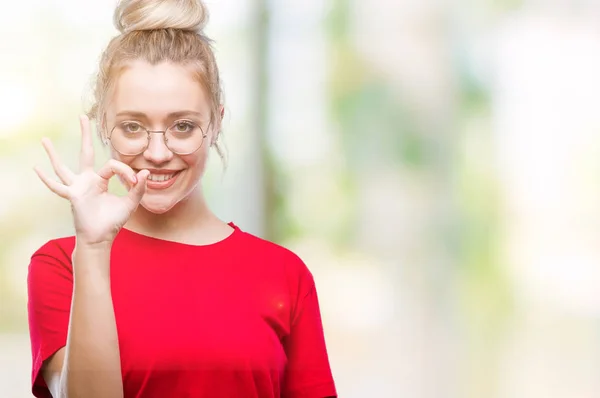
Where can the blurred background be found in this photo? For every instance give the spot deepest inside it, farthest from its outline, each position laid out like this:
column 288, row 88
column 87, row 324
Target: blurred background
column 435, row 163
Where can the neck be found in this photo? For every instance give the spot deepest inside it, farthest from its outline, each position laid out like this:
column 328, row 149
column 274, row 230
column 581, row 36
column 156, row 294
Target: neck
column 192, row 213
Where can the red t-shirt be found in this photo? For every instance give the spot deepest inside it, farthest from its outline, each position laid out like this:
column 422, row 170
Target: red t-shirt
column 238, row 318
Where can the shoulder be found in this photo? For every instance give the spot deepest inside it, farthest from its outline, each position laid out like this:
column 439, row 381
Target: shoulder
column 269, row 250
column 55, row 252
column 57, row 247
column 275, row 256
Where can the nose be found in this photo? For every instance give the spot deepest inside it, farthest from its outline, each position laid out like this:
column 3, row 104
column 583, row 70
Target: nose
column 157, row 151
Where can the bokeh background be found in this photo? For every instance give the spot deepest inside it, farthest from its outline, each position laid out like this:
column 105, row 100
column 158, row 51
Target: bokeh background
column 435, row 163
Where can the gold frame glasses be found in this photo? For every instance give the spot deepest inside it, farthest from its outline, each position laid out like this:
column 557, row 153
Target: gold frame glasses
column 165, row 134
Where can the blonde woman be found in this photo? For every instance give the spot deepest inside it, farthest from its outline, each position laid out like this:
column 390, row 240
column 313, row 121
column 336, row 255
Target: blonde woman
column 154, row 296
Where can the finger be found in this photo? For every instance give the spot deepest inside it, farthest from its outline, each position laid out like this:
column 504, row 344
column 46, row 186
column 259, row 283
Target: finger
column 114, row 167
column 137, row 191
column 55, row 186
column 86, row 156
column 62, row 171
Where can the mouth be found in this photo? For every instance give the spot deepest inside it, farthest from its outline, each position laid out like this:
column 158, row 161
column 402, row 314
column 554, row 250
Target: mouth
column 161, row 179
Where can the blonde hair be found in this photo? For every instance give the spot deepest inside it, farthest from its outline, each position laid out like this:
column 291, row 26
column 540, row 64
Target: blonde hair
column 156, row 31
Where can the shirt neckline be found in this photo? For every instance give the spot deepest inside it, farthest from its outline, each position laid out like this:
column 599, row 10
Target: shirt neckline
column 232, row 236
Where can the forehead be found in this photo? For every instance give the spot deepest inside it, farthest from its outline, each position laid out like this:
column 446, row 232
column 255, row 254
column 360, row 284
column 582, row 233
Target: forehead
column 157, row 90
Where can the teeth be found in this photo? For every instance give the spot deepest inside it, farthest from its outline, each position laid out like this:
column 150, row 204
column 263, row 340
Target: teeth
column 160, row 177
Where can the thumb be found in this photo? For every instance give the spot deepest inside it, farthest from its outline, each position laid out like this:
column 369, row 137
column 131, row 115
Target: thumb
column 139, row 188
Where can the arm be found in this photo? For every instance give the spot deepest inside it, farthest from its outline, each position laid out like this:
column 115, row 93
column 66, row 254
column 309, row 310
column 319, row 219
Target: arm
column 308, row 374
column 89, row 366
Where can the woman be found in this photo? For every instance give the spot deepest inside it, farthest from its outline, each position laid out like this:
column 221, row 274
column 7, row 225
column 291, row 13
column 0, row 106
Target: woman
column 155, row 296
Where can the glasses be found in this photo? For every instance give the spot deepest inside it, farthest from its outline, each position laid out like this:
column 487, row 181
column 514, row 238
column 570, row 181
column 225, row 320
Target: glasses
column 131, row 138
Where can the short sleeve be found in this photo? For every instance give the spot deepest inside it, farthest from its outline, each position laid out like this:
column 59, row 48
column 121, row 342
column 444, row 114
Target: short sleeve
column 308, row 373
column 49, row 290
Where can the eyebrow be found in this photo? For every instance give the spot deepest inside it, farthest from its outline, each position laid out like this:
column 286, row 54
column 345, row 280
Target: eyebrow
column 170, row 115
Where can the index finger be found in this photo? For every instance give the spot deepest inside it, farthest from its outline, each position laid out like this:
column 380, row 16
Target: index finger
column 86, row 156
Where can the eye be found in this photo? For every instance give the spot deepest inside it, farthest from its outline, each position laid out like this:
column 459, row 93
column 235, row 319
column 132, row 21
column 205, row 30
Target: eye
column 132, row 127
column 183, row 126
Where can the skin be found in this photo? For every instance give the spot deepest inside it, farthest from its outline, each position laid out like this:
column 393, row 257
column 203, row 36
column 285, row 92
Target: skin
column 89, row 365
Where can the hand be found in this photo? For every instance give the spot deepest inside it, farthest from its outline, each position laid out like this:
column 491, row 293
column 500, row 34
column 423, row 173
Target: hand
column 98, row 215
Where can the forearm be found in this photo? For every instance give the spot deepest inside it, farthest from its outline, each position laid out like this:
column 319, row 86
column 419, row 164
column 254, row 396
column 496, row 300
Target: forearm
column 92, row 366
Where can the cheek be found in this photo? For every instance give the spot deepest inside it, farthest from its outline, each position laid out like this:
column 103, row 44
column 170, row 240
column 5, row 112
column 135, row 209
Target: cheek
column 118, row 157
column 197, row 162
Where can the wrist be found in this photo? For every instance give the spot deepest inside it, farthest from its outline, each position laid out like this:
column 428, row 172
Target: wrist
column 91, row 252
column 82, row 244
column 91, row 260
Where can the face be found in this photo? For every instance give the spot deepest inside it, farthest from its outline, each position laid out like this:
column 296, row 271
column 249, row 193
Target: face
column 157, row 97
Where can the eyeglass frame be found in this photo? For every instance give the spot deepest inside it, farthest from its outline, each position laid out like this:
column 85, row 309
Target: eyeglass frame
column 163, row 132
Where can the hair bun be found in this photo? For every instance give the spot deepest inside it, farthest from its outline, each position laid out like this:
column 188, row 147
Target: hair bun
column 132, row 15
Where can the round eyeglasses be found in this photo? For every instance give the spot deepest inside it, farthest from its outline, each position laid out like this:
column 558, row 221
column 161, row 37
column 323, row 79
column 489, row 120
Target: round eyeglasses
column 132, row 138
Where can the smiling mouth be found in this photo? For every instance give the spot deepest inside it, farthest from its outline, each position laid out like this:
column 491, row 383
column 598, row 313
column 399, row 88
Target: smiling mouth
column 162, row 177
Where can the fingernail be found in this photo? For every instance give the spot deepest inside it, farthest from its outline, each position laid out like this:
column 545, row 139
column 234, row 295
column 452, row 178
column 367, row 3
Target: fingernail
column 134, row 179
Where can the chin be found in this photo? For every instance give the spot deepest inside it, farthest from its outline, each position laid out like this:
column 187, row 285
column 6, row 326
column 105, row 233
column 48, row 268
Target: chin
column 158, row 205
column 162, row 201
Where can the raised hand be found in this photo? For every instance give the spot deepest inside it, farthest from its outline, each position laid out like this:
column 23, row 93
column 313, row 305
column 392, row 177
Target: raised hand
column 98, row 215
